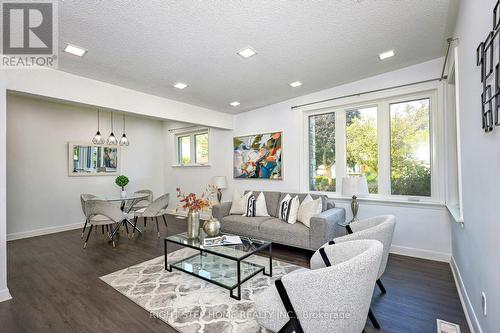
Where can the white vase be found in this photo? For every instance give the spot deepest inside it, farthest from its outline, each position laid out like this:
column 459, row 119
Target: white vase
column 123, row 194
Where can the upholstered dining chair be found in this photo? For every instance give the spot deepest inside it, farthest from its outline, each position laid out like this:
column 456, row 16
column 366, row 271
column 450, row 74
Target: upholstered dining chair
column 156, row 209
column 100, row 212
column 83, row 199
column 333, row 299
column 379, row 228
column 144, row 202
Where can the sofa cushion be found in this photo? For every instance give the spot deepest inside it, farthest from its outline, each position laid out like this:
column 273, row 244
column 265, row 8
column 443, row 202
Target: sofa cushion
column 284, row 233
column 242, row 225
column 272, row 201
column 302, row 196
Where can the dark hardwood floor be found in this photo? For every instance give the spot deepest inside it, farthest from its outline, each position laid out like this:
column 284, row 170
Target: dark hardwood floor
column 56, row 287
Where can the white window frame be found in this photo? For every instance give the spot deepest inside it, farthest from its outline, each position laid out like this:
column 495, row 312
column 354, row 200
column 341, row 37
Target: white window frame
column 192, row 132
column 383, row 99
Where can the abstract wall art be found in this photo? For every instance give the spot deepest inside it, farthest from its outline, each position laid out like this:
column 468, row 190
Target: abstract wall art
column 258, row 156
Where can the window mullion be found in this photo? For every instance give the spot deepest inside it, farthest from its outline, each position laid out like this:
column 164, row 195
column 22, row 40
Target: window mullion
column 384, row 150
column 340, row 148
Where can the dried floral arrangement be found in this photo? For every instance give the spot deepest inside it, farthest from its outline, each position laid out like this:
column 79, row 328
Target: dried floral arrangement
column 196, row 203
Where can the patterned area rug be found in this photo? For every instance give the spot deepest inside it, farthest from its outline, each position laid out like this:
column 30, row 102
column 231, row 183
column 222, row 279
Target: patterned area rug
column 192, row 305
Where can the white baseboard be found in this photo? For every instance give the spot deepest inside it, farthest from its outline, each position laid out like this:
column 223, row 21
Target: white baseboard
column 470, row 315
column 5, row 295
column 43, row 231
column 419, row 253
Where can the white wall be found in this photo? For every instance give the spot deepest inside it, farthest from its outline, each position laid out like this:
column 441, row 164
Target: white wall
column 476, row 249
column 40, row 196
column 422, row 230
column 4, row 292
column 196, row 179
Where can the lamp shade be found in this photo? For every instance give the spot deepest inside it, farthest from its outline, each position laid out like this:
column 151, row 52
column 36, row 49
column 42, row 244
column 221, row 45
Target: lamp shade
column 220, row 181
column 354, row 185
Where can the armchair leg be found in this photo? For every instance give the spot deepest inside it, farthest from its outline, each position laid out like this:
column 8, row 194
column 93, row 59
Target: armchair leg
column 145, row 222
column 373, row 319
column 85, row 226
column 293, row 324
column 165, row 221
column 381, row 286
column 157, row 226
column 88, row 235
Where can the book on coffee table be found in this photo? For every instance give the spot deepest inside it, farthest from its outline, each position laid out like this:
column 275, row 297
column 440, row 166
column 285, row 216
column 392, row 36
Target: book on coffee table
column 222, row 240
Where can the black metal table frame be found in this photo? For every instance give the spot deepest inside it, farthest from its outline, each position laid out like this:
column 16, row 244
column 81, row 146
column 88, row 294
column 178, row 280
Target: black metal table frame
column 239, row 282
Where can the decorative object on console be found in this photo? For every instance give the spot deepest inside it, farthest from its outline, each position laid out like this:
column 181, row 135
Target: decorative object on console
column 289, row 208
column 258, row 156
column 122, row 181
column 98, row 138
column 124, row 140
column 193, row 204
column 112, row 140
column 211, row 227
column 355, row 186
column 490, row 100
column 220, row 182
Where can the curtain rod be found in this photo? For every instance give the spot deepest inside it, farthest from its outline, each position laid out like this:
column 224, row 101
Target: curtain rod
column 449, row 40
column 365, row 92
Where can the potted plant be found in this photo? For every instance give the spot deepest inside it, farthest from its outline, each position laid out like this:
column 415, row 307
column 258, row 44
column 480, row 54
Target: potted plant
column 122, row 181
column 193, row 204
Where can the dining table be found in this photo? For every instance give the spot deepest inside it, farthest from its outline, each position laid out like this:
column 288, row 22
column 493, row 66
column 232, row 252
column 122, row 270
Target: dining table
column 127, row 202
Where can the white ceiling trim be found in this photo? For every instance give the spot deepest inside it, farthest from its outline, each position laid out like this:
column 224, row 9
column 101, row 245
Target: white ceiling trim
column 72, row 88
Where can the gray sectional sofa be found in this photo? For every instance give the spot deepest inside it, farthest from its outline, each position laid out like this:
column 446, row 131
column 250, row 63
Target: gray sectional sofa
column 324, row 227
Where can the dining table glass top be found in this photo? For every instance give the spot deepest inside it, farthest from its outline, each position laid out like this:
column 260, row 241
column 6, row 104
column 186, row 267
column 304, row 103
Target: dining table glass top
column 118, row 197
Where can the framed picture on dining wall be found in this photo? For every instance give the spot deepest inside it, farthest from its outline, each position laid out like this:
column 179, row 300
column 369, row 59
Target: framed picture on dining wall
column 93, row 160
column 258, row 156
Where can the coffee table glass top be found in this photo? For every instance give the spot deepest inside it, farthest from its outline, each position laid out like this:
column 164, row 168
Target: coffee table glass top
column 236, row 252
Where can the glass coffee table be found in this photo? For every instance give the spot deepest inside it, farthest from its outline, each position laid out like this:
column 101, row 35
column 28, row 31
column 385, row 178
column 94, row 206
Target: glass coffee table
column 223, row 265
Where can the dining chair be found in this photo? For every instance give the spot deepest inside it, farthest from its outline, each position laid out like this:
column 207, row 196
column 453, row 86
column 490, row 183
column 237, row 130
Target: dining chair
column 83, row 198
column 156, row 209
column 100, row 212
column 334, row 298
column 379, row 228
column 143, row 203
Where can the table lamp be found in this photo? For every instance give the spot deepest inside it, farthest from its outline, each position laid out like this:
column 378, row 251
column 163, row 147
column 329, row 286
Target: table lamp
column 221, row 183
column 355, row 186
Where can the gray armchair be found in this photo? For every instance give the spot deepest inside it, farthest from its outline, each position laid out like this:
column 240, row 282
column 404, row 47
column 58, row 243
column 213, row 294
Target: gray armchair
column 99, row 212
column 379, row 228
column 334, row 299
column 157, row 208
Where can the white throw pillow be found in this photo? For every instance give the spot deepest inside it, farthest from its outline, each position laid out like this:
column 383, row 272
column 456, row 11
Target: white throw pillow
column 308, row 208
column 260, row 206
column 256, row 207
column 289, row 208
column 239, row 203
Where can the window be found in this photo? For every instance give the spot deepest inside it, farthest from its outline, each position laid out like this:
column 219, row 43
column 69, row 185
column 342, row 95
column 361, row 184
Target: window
column 362, row 145
column 410, row 148
column 322, row 152
column 184, row 149
column 192, row 147
column 201, row 147
column 389, row 141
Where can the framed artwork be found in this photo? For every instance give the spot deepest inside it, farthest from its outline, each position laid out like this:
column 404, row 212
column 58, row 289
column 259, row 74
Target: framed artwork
column 93, row 160
column 258, row 156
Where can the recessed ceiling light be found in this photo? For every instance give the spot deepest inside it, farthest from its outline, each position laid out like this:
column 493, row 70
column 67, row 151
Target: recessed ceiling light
column 385, row 55
column 247, row 52
column 180, row 85
column 75, row 50
column 235, row 103
column 295, row 84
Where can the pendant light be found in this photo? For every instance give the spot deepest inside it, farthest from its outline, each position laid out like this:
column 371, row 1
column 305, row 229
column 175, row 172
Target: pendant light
column 98, row 139
column 112, row 138
column 124, row 140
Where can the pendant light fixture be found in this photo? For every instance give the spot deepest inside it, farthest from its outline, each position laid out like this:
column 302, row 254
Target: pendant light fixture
column 124, row 140
column 98, row 138
column 112, row 138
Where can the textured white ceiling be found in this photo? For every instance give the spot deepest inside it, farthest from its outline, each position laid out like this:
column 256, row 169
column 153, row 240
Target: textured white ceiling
column 149, row 45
